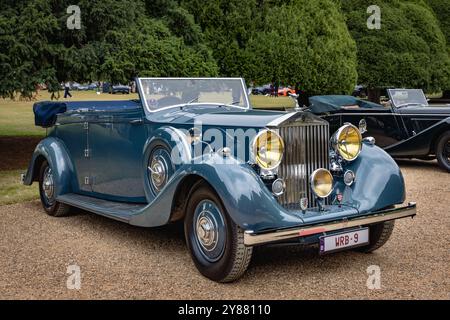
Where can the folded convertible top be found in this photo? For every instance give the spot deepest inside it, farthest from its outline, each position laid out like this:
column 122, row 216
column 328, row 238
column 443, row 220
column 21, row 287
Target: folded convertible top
column 45, row 112
column 330, row 103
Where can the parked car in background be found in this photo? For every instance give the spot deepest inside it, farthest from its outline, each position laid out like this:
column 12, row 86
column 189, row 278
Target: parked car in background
column 285, row 91
column 406, row 127
column 83, row 87
column 263, row 90
column 120, row 88
column 74, row 86
column 360, row 91
column 193, row 149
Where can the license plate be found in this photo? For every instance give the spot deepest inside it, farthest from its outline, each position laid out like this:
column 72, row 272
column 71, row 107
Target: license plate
column 344, row 240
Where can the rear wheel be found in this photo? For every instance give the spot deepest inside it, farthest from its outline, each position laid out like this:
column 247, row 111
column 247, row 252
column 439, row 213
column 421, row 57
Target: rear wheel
column 443, row 151
column 379, row 234
column 215, row 242
column 48, row 194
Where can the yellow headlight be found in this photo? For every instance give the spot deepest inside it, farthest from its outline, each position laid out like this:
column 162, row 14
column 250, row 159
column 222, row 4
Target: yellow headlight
column 321, row 182
column 347, row 141
column 268, row 149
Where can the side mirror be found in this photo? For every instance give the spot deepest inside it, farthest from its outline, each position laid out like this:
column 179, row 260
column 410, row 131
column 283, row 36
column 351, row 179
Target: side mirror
column 293, row 95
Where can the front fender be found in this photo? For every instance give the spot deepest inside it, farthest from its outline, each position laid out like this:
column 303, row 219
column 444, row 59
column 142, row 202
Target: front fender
column 54, row 151
column 420, row 144
column 247, row 200
column 378, row 184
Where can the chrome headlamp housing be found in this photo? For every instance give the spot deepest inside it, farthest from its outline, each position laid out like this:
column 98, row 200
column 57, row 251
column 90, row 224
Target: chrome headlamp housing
column 347, row 142
column 321, row 182
column 267, row 150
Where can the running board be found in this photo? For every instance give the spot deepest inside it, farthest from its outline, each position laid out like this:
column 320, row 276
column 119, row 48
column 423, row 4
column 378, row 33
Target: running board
column 112, row 209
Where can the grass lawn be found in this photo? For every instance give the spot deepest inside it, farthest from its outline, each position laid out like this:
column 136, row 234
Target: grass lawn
column 17, row 118
column 264, row 102
column 12, row 190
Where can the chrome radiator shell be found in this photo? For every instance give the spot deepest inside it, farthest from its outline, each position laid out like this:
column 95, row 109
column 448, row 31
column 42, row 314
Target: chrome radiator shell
column 306, row 142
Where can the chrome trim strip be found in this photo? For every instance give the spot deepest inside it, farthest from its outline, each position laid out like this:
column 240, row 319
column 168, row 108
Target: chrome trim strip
column 186, row 146
column 386, row 114
column 281, row 119
column 251, row 239
column 359, row 114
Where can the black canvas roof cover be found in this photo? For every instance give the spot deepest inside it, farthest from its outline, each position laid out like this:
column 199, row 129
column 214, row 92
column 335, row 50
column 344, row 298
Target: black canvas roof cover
column 331, row 103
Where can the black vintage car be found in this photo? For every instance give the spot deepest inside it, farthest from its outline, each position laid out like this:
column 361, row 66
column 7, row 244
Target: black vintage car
column 406, row 127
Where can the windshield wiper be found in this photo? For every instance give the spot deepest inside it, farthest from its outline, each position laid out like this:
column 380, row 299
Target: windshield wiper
column 232, row 104
column 410, row 104
column 192, row 101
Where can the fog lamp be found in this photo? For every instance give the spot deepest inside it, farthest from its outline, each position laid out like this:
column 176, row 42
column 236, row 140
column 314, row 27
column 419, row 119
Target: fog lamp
column 321, row 182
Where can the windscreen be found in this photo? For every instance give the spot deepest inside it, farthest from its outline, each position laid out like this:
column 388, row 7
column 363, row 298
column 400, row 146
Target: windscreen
column 160, row 93
column 405, row 97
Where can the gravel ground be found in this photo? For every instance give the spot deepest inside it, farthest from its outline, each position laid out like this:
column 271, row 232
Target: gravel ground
column 119, row 261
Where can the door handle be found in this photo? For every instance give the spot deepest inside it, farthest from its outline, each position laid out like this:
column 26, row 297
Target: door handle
column 136, row 121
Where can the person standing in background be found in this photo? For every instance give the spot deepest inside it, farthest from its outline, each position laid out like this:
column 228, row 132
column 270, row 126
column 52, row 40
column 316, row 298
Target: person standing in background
column 277, row 85
column 53, row 88
column 67, row 90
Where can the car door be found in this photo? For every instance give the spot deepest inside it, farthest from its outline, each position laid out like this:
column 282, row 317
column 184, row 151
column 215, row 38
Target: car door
column 73, row 128
column 116, row 142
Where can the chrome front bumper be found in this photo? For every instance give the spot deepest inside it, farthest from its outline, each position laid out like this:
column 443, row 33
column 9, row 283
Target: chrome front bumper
column 251, row 239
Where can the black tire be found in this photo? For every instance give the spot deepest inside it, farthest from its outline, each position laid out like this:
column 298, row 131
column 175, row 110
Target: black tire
column 443, row 151
column 235, row 256
column 379, row 234
column 51, row 206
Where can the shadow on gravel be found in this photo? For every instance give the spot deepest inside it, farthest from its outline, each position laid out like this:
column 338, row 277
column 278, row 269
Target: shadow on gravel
column 113, row 228
column 418, row 164
column 170, row 238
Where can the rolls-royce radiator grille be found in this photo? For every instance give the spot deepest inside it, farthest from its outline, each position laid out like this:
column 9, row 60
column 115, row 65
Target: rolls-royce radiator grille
column 306, row 149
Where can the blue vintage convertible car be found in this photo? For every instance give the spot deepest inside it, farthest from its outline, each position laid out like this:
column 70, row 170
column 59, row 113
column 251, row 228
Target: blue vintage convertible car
column 194, row 150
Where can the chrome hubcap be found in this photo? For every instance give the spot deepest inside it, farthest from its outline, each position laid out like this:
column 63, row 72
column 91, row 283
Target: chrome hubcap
column 48, row 185
column 209, row 230
column 158, row 172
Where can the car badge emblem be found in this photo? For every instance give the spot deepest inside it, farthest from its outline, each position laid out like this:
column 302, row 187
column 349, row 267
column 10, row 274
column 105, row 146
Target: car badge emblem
column 304, row 203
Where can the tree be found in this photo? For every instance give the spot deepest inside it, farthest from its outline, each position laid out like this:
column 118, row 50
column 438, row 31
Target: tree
column 441, row 9
column 227, row 26
column 305, row 42
column 408, row 51
column 290, row 41
column 26, row 54
column 117, row 42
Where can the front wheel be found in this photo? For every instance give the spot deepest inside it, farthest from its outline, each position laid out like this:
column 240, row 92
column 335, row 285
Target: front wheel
column 47, row 192
column 215, row 242
column 443, row 151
